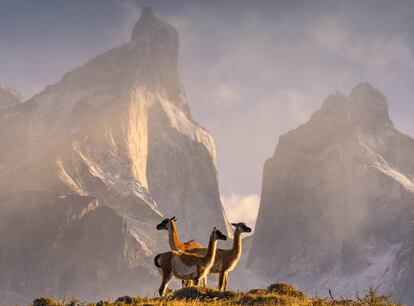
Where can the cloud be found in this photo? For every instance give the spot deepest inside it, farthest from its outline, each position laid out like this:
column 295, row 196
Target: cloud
column 227, row 95
column 251, row 71
column 241, row 208
column 253, row 74
column 338, row 37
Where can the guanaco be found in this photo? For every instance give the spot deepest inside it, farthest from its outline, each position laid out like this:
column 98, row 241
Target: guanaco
column 175, row 242
column 185, row 266
column 226, row 260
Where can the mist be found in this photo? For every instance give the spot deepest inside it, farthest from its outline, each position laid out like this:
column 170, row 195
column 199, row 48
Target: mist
column 243, row 65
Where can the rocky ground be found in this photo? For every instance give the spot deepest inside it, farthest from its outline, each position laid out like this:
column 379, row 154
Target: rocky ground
column 275, row 294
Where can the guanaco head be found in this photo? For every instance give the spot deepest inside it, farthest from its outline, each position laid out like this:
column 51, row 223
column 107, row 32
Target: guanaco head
column 218, row 235
column 166, row 223
column 242, row 227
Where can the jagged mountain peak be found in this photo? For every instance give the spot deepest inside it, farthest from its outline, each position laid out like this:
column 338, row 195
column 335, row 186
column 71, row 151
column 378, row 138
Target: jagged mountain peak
column 336, row 102
column 365, row 107
column 364, row 110
column 368, row 106
column 123, row 70
column 150, row 25
column 146, row 22
column 365, row 88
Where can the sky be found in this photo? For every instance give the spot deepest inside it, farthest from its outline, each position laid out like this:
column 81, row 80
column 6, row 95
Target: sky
column 252, row 70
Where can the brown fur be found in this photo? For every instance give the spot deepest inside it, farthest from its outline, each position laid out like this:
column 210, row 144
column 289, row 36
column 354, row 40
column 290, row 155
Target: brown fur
column 192, row 244
column 173, row 238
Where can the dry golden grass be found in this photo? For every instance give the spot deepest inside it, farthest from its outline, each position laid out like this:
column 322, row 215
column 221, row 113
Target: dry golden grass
column 276, row 294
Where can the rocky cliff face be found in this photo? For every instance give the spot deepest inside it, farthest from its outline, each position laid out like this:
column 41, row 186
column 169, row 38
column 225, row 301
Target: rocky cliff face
column 337, row 201
column 91, row 164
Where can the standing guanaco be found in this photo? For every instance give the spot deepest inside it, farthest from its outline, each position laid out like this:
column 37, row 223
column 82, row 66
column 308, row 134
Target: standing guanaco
column 175, row 242
column 226, row 260
column 185, row 266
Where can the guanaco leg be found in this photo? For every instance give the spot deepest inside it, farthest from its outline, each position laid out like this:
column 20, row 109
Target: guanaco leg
column 226, row 275
column 221, row 281
column 222, row 286
column 166, row 277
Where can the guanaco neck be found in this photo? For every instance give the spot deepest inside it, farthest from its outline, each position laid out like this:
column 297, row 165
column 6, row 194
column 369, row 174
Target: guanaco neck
column 173, row 238
column 211, row 250
column 237, row 242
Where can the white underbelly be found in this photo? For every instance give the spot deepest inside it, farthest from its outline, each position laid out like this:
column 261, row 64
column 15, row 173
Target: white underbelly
column 183, row 271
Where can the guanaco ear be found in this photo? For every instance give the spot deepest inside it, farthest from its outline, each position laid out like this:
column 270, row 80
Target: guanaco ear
column 173, row 218
column 234, row 224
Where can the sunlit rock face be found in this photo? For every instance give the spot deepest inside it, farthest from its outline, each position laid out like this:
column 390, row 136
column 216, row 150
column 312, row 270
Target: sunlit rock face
column 337, row 201
column 117, row 131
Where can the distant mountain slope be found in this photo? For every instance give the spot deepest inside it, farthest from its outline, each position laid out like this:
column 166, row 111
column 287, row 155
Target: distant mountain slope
column 8, row 98
column 115, row 132
column 337, row 201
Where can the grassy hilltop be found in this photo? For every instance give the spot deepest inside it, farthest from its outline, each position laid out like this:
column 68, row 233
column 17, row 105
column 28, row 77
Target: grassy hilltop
column 276, row 294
